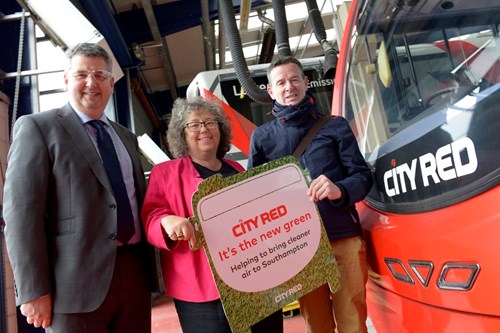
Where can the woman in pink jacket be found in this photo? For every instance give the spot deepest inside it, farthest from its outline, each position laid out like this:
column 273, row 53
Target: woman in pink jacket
column 199, row 137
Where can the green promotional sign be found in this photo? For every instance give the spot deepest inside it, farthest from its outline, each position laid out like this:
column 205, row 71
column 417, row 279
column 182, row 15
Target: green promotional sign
column 264, row 239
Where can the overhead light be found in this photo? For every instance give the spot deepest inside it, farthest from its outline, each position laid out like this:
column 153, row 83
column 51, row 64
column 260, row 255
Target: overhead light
column 138, row 51
column 66, row 26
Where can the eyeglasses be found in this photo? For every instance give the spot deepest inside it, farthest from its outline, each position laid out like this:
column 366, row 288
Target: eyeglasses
column 98, row 75
column 195, row 126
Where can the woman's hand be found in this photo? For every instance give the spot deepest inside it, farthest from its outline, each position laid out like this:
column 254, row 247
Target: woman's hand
column 178, row 228
column 322, row 188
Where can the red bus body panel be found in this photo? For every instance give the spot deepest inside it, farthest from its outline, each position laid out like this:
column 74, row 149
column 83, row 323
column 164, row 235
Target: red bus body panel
column 409, row 254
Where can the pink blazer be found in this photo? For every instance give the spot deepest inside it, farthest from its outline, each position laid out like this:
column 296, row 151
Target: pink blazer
column 186, row 273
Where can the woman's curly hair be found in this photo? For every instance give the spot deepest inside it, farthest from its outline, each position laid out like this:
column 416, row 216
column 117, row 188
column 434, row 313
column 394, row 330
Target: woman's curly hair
column 180, row 112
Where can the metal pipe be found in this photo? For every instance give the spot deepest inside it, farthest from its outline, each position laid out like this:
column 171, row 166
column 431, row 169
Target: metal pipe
column 207, row 38
column 165, row 53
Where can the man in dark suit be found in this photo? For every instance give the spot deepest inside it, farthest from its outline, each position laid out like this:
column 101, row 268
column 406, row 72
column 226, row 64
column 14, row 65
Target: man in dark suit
column 72, row 271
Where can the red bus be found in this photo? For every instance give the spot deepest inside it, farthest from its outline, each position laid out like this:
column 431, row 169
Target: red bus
column 419, row 82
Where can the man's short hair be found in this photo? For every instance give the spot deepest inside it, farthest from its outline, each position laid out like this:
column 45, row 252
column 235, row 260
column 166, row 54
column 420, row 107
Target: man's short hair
column 90, row 50
column 283, row 61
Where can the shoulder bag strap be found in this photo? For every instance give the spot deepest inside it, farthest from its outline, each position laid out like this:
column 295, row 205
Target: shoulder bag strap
column 309, row 136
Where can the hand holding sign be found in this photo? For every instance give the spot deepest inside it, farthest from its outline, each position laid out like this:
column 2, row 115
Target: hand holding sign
column 264, row 239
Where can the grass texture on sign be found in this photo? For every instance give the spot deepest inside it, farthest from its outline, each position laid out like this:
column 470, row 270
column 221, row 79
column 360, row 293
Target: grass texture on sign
column 264, row 240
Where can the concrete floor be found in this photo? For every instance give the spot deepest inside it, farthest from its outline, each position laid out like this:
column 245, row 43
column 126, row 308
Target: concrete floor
column 165, row 320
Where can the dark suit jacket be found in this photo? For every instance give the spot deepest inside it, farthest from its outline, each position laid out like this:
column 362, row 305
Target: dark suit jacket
column 60, row 226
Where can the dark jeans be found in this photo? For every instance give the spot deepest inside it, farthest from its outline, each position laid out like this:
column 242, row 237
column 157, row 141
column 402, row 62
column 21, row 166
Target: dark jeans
column 209, row 317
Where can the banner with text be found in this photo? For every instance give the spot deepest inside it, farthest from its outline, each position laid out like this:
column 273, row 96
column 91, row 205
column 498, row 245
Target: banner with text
column 264, row 239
